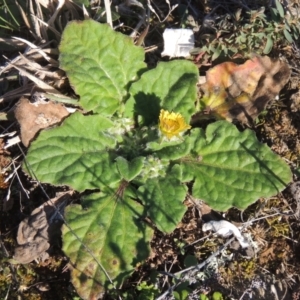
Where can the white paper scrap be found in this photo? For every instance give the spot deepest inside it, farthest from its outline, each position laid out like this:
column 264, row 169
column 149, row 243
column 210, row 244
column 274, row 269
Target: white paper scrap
column 178, row 42
column 225, row 229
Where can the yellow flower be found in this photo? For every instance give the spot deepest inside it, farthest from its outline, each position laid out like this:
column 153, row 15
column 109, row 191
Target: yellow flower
column 172, row 124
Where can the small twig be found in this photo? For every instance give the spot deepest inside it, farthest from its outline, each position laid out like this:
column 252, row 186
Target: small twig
column 40, row 16
column 108, row 13
column 241, row 3
column 167, row 273
column 58, row 35
column 41, row 84
column 26, row 21
column 86, row 14
column 288, row 238
column 246, row 224
column 150, row 48
column 36, row 27
column 281, row 213
column 143, row 21
column 274, row 292
column 283, row 296
column 57, row 10
column 245, row 293
column 6, row 296
column 199, row 240
column 170, row 10
column 37, row 48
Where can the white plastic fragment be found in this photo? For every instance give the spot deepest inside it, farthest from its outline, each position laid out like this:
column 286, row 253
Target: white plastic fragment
column 225, row 229
column 178, row 42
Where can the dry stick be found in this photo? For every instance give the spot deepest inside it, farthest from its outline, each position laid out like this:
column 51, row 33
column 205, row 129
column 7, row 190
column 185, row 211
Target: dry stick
column 39, row 15
column 58, row 35
column 6, row 296
column 37, row 68
column 141, row 38
column 144, row 20
column 138, row 26
column 168, row 273
column 274, row 292
column 36, row 48
column 153, row 10
column 25, row 19
column 36, row 28
column 41, row 84
column 199, row 240
column 108, row 13
column 59, row 6
column 86, row 15
column 66, row 223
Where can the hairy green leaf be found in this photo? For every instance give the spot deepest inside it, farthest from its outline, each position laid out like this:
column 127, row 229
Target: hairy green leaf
column 75, row 154
column 100, row 63
column 110, row 226
column 171, row 86
column 232, row 168
column 163, row 199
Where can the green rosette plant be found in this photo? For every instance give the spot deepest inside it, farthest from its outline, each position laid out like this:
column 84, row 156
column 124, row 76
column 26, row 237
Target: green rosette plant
column 136, row 151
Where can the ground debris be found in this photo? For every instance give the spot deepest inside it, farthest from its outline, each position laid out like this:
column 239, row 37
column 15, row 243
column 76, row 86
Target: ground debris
column 33, row 117
column 225, row 229
column 241, row 92
column 35, row 232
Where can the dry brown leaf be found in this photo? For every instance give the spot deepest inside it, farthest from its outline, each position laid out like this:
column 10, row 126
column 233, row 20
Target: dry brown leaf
column 33, row 117
column 241, row 92
column 41, row 84
column 36, row 231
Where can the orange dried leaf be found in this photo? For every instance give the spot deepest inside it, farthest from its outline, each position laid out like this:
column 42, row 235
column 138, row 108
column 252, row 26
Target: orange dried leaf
column 234, row 91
